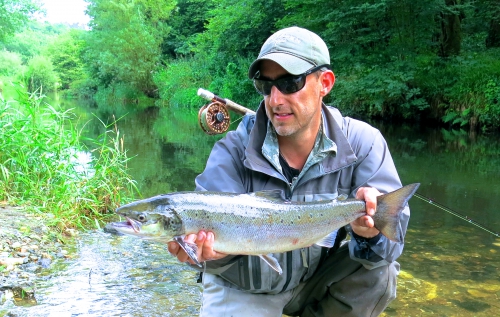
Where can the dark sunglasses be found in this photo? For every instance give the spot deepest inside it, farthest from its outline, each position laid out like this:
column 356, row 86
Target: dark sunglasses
column 287, row 85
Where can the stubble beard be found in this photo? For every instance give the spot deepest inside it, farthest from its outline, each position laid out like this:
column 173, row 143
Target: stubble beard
column 283, row 130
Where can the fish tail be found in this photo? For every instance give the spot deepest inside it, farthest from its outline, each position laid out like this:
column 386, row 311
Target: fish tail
column 389, row 208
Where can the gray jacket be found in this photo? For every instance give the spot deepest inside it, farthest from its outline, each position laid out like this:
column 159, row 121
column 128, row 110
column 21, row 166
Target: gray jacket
column 350, row 154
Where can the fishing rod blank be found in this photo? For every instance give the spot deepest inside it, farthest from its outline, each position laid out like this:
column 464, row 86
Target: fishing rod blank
column 457, row 214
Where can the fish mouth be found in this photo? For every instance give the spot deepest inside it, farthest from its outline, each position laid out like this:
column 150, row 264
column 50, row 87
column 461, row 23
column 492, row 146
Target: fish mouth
column 130, row 224
column 136, row 225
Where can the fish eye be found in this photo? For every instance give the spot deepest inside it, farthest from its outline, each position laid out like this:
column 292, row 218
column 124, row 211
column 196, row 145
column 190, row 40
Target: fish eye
column 141, row 217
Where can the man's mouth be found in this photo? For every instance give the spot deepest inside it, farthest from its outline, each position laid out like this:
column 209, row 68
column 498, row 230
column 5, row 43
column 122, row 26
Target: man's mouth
column 283, row 115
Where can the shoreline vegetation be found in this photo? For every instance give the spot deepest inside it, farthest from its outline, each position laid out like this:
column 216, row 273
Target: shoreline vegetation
column 48, row 168
column 53, row 183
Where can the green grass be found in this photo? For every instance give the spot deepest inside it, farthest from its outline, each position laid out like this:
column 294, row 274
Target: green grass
column 41, row 165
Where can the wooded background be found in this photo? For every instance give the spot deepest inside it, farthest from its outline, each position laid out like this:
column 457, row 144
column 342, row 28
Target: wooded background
column 424, row 60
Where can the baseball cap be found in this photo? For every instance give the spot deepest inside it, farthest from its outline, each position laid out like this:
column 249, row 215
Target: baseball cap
column 295, row 49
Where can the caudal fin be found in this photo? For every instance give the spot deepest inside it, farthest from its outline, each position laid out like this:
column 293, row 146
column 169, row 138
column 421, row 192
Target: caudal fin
column 389, row 208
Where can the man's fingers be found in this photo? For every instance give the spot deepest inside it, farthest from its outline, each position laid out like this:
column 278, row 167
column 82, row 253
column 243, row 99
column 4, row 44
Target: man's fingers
column 173, row 248
column 369, row 195
column 208, row 250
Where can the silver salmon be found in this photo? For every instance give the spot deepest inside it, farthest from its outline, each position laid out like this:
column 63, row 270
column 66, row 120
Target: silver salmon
column 256, row 223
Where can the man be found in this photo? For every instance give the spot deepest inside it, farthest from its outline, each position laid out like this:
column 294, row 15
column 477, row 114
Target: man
column 297, row 144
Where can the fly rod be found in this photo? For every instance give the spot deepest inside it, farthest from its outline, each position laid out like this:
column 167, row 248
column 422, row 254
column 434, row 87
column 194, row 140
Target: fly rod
column 456, row 214
column 214, row 119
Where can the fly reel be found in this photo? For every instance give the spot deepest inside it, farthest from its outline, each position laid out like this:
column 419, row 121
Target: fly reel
column 214, row 118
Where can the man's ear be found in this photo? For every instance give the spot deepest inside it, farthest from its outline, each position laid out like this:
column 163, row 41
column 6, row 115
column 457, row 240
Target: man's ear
column 327, row 80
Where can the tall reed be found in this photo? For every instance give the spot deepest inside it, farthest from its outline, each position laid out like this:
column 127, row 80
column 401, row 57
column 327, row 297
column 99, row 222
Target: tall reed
column 46, row 167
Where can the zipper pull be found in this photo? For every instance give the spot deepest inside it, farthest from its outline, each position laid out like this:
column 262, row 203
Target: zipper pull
column 304, row 257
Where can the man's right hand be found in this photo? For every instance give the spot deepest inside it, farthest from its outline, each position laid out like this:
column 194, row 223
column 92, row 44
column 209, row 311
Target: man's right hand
column 204, row 241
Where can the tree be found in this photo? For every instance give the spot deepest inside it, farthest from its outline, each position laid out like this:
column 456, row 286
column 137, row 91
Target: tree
column 450, row 39
column 66, row 56
column 189, row 18
column 14, row 14
column 123, row 45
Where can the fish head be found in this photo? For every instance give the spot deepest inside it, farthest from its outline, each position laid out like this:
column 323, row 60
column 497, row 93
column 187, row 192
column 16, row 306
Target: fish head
column 149, row 219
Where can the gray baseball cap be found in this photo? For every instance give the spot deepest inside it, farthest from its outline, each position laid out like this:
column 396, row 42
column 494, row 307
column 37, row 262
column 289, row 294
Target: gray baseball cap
column 295, row 49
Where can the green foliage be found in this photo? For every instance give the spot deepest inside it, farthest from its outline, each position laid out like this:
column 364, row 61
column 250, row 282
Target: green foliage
column 178, row 42
column 11, row 64
column 33, row 39
column 41, row 75
column 14, row 14
column 124, row 43
column 66, row 55
column 387, row 91
column 238, row 29
column 429, row 59
column 43, row 166
column 179, row 81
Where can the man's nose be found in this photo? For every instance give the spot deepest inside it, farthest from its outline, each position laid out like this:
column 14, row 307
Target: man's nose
column 276, row 96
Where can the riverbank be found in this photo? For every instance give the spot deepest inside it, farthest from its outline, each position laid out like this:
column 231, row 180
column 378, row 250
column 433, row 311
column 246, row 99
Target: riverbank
column 28, row 249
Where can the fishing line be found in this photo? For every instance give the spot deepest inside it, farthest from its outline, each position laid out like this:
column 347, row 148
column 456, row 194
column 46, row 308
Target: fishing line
column 457, row 214
column 236, row 120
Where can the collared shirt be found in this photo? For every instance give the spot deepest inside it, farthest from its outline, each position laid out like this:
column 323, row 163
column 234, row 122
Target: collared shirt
column 323, row 146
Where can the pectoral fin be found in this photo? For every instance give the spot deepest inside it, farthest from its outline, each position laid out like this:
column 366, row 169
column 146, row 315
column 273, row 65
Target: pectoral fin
column 328, row 241
column 189, row 248
column 272, row 262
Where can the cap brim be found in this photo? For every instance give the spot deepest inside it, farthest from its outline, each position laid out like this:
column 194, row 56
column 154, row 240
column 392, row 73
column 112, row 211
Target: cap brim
column 292, row 64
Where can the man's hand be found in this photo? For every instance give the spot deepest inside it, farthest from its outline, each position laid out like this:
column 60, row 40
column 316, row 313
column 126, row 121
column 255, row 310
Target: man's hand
column 364, row 226
column 204, row 241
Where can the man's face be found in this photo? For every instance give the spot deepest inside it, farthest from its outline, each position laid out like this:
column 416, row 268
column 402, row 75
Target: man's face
column 297, row 114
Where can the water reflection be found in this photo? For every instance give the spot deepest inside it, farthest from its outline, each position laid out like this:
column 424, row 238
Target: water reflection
column 450, row 267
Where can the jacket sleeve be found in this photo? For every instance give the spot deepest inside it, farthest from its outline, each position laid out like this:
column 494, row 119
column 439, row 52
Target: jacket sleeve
column 224, row 172
column 375, row 168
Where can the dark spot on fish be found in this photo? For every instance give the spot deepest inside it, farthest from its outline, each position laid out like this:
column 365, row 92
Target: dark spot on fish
column 282, row 221
column 298, row 217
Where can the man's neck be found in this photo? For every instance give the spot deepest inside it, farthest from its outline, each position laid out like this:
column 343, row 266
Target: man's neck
column 296, row 149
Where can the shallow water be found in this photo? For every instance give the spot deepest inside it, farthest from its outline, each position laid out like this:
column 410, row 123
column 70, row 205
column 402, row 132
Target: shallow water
column 115, row 276
column 449, row 266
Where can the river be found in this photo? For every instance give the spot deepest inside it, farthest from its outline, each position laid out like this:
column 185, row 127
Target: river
column 449, row 267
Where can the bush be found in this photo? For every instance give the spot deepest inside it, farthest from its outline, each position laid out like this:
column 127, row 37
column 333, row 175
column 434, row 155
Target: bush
column 11, row 63
column 41, row 75
column 379, row 91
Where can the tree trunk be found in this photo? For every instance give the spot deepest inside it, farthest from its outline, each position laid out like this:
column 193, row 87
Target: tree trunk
column 451, row 33
column 493, row 38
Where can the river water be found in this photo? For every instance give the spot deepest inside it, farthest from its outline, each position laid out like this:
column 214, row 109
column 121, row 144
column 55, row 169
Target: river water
column 449, row 267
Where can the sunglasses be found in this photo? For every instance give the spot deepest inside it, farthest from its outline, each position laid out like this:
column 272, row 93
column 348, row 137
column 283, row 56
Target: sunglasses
column 287, row 85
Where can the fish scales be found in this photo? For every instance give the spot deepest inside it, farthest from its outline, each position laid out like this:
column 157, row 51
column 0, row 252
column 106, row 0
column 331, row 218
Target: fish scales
column 257, row 223
column 248, row 225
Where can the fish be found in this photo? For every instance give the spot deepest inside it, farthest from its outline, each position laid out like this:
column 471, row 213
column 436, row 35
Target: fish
column 257, row 223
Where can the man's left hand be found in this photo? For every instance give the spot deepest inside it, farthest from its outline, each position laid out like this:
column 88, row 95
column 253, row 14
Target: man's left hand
column 364, row 226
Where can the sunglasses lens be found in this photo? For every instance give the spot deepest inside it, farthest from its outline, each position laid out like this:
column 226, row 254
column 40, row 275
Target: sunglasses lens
column 291, row 84
column 263, row 87
column 287, row 85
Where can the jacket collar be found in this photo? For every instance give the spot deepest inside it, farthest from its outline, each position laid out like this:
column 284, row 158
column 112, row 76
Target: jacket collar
column 332, row 149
